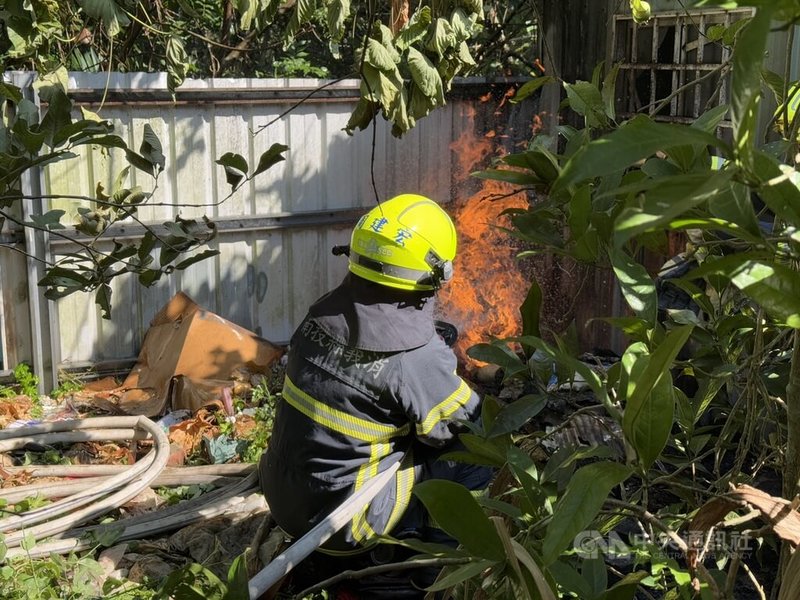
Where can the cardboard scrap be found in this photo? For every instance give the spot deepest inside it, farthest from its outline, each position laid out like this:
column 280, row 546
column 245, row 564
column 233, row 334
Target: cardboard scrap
column 188, row 356
column 14, row 409
column 777, row 511
column 189, row 434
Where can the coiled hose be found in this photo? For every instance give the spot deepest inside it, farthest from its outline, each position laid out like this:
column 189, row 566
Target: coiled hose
column 97, row 500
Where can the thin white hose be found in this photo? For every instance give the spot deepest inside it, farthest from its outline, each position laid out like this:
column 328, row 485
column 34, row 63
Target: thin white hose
column 239, row 498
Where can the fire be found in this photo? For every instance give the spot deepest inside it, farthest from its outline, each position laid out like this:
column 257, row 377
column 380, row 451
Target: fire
column 487, row 289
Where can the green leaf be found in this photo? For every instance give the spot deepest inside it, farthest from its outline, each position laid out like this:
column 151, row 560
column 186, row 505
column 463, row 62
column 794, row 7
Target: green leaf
column 539, row 160
column 425, row 75
column 441, row 37
column 524, row 471
column 107, row 11
column 49, row 220
column 416, row 28
column 498, row 353
column 513, row 177
column 235, row 168
column 238, row 579
column 103, row 299
column 177, row 62
column 587, row 490
column 28, row 542
column 531, row 309
column 303, row 13
column 195, row 259
column 671, row 197
column 338, row 11
column 638, row 288
column 271, row 157
column 151, row 148
column 609, row 92
column 247, row 12
column 625, row 588
column 772, row 285
column 455, row 510
column 380, row 57
column 638, row 139
column 106, row 141
column 775, row 83
column 458, row 574
column 650, row 405
column 635, row 328
column 647, row 420
column 529, row 87
column 777, row 189
column 32, row 142
column 140, row 162
column 733, row 204
column 10, row 92
column 586, row 100
column 710, row 120
column 514, row 415
column 748, row 56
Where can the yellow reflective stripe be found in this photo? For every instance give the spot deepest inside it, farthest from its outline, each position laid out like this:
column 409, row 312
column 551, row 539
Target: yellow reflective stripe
column 445, row 408
column 360, row 527
column 404, row 481
column 338, row 420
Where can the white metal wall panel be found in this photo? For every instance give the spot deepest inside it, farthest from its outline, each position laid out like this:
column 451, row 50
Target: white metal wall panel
column 276, row 232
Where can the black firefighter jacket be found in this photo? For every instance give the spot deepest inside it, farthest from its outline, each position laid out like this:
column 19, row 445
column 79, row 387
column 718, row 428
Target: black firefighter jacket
column 366, row 377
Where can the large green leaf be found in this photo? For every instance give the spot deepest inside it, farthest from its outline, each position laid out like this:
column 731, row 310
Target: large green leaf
column 748, row 56
column 272, row 156
column 638, row 288
column 498, row 353
column 587, row 490
column 639, row 138
column 647, row 420
column 586, row 100
column 529, row 87
column 658, row 365
column 424, row 74
column 778, row 190
column 531, row 309
column 177, row 62
column 514, row 415
column 772, row 285
column 151, row 148
column 109, row 12
column 455, row 510
column 671, row 197
column 338, row 11
column 235, row 166
column 379, row 56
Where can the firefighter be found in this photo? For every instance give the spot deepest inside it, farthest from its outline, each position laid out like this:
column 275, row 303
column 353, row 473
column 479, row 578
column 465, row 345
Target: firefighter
column 369, row 382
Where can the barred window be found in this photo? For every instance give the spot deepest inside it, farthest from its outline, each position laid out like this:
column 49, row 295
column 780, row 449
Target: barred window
column 674, row 67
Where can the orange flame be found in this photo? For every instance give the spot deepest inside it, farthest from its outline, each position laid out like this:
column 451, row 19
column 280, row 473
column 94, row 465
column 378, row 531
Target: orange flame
column 484, row 297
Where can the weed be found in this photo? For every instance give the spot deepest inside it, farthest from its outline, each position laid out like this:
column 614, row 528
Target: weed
column 264, row 417
column 68, row 384
column 27, row 384
column 173, row 495
column 71, row 577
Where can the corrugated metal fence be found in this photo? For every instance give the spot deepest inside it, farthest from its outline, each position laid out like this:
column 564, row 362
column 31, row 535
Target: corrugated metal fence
column 274, row 235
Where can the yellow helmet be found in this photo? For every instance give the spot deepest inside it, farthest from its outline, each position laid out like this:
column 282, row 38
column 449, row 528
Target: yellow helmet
column 407, row 242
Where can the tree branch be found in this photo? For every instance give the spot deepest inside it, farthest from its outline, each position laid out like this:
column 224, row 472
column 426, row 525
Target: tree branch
column 387, row 568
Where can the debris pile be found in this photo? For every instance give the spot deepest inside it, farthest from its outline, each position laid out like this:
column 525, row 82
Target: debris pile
column 175, row 458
